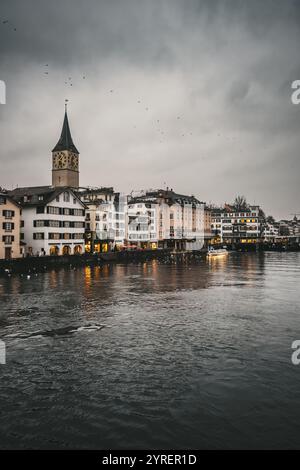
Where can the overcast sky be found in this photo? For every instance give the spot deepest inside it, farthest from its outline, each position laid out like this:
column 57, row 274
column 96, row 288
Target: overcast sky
column 193, row 94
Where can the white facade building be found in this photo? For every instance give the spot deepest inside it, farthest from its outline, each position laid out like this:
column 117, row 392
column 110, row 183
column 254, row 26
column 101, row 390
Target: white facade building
column 52, row 220
column 270, row 232
column 106, row 218
column 163, row 218
column 143, row 223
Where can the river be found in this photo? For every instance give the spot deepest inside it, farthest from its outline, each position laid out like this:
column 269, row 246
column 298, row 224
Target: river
column 189, row 355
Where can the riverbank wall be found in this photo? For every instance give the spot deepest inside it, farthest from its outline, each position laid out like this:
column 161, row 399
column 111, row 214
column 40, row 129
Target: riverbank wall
column 42, row 263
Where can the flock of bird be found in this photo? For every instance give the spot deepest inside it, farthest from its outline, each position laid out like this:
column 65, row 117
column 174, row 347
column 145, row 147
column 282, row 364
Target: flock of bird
column 69, row 82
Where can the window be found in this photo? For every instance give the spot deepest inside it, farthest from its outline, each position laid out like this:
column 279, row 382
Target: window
column 54, row 236
column 57, row 198
column 8, row 239
column 54, row 223
column 38, row 223
column 41, row 197
column 79, row 212
column 52, row 210
column 8, row 214
column 66, row 196
column 2, row 200
column 78, row 236
column 8, row 226
column 40, row 209
column 38, row 236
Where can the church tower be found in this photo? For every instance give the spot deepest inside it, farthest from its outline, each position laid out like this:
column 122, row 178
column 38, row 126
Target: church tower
column 65, row 159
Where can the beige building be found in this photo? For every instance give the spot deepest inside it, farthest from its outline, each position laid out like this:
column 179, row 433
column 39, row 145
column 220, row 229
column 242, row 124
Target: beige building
column 10, row 217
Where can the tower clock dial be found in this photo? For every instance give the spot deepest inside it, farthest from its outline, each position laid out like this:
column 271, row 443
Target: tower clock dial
column 59, row 160
column 74, row 161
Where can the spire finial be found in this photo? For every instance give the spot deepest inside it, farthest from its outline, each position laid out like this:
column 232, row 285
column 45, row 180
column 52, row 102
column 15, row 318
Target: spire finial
column 66, row 104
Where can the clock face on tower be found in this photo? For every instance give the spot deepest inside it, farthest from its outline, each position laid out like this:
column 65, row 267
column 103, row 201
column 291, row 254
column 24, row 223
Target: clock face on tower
column 65, row 160
column 74, row 161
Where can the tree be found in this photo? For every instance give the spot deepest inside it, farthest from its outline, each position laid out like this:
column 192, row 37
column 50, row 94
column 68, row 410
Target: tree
column 240, row 203
column 270, row 219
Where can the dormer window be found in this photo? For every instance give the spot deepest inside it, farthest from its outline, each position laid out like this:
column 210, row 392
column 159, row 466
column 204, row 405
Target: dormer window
column 41, row 197
column 66, row 196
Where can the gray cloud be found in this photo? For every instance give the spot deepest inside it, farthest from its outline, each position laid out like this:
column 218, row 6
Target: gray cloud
column 201, row 95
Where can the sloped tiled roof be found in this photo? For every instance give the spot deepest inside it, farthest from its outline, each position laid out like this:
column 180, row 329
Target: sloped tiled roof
column 38, row 195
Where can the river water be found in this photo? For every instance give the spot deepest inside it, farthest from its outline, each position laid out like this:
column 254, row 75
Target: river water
column 191, row 355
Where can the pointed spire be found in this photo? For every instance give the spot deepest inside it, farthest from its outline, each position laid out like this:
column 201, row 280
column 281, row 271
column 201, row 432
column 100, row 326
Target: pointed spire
column 65, row 142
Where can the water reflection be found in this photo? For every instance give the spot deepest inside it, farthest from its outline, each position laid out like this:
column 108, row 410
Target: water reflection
column 191, row 355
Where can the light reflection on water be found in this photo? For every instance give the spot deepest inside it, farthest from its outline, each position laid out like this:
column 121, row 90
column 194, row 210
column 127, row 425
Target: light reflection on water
column 192, row 355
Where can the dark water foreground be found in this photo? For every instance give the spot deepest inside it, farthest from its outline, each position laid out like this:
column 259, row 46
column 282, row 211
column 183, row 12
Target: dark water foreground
column 153, row 355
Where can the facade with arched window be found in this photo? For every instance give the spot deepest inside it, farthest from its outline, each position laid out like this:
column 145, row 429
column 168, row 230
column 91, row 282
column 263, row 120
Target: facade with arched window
column 53, row 220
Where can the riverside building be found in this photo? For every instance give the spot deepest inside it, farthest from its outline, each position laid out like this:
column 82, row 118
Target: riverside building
column 52, row 221
column 10, row 219
column 237, row 225
column 106, row 219
column 165, row 219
